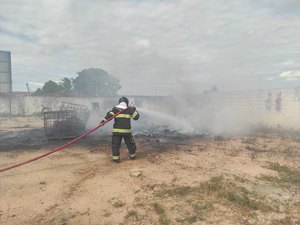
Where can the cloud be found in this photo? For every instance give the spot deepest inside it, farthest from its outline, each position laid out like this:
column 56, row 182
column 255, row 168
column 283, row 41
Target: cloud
column 144, row 43
column 19, row 35
column 290, row 75
column 158, row 46
column 36, row 84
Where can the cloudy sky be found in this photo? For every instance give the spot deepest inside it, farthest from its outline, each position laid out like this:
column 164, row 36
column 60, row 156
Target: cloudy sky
column 155, row 46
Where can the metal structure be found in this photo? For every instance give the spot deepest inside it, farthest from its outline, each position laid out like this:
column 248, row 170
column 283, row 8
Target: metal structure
column 67, row 122
column 5, row 76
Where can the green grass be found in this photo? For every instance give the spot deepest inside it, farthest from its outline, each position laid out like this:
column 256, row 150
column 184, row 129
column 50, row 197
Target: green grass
column 203, row 206
column 178, row 191
column 226, row 191
column 286, row 175
column 240, row 179
column 238, row 196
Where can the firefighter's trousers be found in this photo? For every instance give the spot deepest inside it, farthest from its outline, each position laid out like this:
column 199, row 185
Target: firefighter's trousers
column 116, row 143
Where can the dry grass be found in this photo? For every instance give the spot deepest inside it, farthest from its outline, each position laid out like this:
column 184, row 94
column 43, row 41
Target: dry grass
column 286, row 175
column 195, row 203
column 163, row 218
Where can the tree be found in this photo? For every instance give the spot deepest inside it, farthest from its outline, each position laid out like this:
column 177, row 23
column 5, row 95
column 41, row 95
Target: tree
column 50, row 87
column 96, row 82
column 63, row 88
column 66, row 84
column 38, row 92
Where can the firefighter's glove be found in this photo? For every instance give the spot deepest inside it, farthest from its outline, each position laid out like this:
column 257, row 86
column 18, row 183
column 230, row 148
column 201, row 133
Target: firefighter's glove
column 102, row 121
column 133, row 107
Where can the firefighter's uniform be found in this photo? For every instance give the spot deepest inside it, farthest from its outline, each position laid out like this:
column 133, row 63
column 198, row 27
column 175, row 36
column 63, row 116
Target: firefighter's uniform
column 122, row 128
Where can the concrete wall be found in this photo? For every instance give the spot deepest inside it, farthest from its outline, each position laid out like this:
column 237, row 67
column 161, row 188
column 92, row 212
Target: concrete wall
column 28, row 105
column 274, row 107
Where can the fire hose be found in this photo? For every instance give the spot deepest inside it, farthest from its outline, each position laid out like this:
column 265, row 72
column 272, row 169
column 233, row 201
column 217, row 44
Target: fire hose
column 62, row 146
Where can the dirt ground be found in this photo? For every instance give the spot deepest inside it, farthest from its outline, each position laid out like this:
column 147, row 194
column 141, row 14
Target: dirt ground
column 247, row 179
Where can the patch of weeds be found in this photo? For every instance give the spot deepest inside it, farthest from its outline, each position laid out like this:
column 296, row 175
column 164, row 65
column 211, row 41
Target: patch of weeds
column 213, row 186
column 287, row 176
column 240, row 179
column 225, row 190
column 200, row 209
column 132, row 214
column 206, row 206
column 194, row 211
column 178, row 191
column 163, row 219
column 243, row 197
column 63, row 221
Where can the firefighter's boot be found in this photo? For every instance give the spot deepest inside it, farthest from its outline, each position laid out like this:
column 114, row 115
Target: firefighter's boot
column 132, row 156
column 116, row 159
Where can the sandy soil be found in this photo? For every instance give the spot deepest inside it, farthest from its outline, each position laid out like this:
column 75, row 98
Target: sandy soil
column 164, row 185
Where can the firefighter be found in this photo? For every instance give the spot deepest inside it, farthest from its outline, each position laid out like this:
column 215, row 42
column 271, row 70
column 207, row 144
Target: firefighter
column 122, row 128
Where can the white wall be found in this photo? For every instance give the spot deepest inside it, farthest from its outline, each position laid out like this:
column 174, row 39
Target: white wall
column 28, row 105
column 212, row 109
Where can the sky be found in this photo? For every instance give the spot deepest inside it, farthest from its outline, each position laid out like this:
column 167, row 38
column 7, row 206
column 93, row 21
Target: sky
column 155, row 47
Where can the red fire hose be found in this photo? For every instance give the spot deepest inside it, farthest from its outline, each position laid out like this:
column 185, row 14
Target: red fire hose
column 63, row 146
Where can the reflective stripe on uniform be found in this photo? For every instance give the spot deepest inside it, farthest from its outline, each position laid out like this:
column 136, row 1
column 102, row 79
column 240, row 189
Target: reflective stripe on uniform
column 123, row 116
column 134, row 114
column 111, row 113
column 121, row 130
column 115, row 157
column 132, row 155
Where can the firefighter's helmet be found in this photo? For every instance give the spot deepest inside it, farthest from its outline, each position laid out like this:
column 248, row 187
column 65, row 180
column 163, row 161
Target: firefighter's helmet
column 124, row 99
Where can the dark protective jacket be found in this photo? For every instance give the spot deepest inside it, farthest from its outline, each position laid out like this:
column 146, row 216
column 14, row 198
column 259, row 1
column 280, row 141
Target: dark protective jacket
column 122, row 123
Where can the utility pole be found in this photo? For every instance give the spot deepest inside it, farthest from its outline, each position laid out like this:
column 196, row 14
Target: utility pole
column 28, row 90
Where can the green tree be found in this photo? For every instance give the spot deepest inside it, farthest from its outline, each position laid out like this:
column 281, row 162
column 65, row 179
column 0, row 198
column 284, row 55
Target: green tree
column 96, row 82
column 66, row 84
column 63, row 88
column 38, row 92
column 50, row 87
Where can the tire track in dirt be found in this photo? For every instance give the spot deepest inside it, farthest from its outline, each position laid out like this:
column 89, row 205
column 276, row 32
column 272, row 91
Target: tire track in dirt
column 82, row 174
